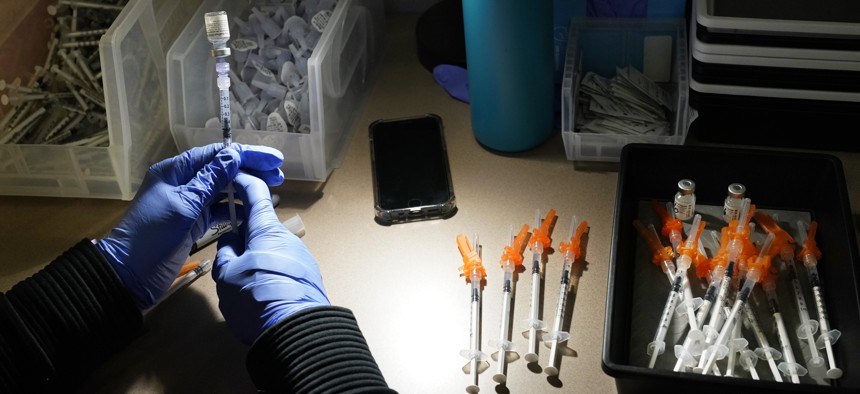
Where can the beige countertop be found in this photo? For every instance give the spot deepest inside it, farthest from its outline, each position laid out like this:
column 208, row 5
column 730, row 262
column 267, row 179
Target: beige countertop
column 400, row 281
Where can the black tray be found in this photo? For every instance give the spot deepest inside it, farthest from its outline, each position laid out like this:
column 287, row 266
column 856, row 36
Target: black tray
column 806, row 183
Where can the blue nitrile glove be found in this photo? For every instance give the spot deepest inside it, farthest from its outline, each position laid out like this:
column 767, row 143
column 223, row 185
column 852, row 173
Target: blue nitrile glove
column 173, row 207
column 265, row 273
column 454, row 79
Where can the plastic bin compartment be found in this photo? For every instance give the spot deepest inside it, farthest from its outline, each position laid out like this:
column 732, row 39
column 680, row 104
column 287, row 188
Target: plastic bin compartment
column 600, row 45
column 339, row 74
column 132, row 59
column 807, row 186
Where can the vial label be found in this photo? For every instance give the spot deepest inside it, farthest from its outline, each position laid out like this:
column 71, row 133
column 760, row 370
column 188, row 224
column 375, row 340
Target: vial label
column 734, row 202
column 685, row 200
column 685, row 206
column 217, row 26
column 732, row 209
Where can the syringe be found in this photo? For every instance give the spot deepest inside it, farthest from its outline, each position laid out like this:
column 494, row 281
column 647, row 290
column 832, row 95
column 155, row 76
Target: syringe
column 764, row 351
column 661, row 256
column 218, row 32
column 757, row 269
column 738, row 231
column 788, row 366
column 571, row 251
column 672, row 227
column 540, row 240
column 512, row 258
column 783, row 244
column 809, row 255
column 686, row 252
column 714, row 271
column 658, row 345
column 473, row 270
column 694, row 340
column 684, row 261
column 712, row 329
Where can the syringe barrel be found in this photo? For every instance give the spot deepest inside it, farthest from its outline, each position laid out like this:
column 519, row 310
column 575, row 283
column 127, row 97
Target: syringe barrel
column 508, row 266
column 537, row 249
column 717, row 276
column 736, row 245
column 809, row 260
column 752, row 277
column 568, row 256
column 666, row 317
column 684, row 262
column 675, row 238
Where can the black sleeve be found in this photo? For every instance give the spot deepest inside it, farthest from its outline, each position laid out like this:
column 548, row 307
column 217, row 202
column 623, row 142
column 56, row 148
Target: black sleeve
column 317, row 350
column 59, row 324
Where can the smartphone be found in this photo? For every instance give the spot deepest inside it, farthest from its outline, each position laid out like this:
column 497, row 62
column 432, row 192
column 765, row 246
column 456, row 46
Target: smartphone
column 411, row 174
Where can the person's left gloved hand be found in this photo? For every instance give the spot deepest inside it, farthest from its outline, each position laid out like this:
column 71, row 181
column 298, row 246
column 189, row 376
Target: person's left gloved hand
column 265, row 273
column 173, row 207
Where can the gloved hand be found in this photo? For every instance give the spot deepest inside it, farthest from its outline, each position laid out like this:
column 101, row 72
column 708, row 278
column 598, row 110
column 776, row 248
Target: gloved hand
column 173, row 207
column 265, row 273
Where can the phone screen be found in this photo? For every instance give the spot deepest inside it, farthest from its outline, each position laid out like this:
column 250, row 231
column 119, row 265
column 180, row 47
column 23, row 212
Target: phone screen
column 410, row 167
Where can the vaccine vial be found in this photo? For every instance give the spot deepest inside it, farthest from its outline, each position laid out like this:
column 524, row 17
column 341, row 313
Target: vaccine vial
column 734, row 202
column 217, row 32
column 685, row 200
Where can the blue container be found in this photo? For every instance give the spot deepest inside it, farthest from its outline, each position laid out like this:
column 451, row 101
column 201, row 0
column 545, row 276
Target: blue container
column 510, row 66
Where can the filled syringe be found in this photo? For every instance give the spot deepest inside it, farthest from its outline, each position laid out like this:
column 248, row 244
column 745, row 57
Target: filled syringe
column 686, row 252
column 737, row 237
column 512, row 259
column 764, row 351
column 789, row 366
column 571, row 251
column 661, row 256
column 809, row 255
column 672, row 228
column 756, row 270
column 658, row 345
column 540, row 241
column 714, row 272
column 218, row 32
column 713, row 269
column 783, row 245
column 473, row 270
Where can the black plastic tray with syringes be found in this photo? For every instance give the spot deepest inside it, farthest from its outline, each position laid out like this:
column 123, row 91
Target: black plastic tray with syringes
column 808, row 183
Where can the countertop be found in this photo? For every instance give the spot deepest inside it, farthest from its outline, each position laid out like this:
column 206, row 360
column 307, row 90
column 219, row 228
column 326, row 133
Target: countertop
column 401, row 281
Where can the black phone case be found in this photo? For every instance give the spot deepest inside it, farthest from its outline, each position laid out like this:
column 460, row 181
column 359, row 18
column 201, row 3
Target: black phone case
column 442, row 203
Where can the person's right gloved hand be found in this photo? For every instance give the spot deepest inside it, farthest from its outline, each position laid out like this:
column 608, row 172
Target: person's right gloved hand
column 265, row 273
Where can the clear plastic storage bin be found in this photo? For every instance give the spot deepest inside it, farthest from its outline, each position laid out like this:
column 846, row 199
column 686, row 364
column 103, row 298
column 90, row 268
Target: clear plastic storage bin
column 132, row 58
column 600, row 45
column 339, row 72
